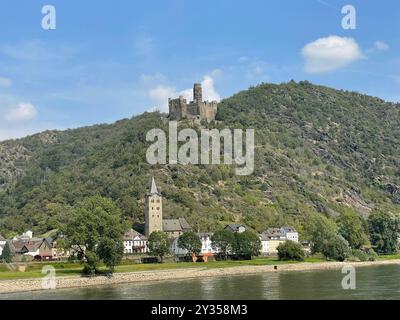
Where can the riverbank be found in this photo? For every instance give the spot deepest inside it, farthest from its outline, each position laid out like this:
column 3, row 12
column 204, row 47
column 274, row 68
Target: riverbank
column 21, row 285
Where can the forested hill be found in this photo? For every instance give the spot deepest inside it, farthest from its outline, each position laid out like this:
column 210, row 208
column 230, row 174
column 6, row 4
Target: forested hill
column 318, row 151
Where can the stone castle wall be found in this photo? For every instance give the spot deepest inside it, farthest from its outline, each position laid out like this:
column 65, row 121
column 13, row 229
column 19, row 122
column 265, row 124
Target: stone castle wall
column 197, row 109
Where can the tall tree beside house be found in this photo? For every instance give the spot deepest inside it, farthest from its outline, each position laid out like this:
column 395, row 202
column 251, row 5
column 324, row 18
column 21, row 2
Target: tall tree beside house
column 336, row 248
column 384, row 230
column 6, row 256
column 223, row 241
column 159, row 244
column 351, row 228
column 95, row 230
column 319, row 229
column 247, row 244
column 191, row 242
column 290, row 250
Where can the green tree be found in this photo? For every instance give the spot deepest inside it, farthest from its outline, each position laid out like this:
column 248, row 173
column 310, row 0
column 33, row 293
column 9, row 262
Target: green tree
column 290, row 250
column 191, row 242
column 384, row 230
column 159, row 244
column 7, row 256
column 319, row 228
column 336, row 248
column 351, row 228
column 247, row 244
column 223, row 241
column 94, row 230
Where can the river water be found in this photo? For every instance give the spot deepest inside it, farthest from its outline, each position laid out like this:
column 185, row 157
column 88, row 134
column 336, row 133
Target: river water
column 378, row 282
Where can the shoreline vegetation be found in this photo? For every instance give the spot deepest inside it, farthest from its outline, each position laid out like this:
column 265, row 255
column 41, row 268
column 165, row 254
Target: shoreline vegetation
column 69, row 276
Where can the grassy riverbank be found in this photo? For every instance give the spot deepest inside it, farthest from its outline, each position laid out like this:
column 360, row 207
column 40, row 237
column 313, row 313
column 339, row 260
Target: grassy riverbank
column 71, row 269
column 75, row 269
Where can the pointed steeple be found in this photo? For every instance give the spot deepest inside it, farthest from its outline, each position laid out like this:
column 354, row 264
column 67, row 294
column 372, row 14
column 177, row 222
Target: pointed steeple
column 153, row 187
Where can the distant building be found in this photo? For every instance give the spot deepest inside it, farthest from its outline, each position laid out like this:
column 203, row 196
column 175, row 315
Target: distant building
column 154, row 216
column 153, row 210
column 290, row 233
column 206, row 246
column 134, row 242
column 273, row 237
column 197, row 109
column 234, row 227
column 37, row 248
column 175, row 227
column 206, row 243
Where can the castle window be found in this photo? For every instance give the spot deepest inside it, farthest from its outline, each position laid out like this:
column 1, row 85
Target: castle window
column 158, row 208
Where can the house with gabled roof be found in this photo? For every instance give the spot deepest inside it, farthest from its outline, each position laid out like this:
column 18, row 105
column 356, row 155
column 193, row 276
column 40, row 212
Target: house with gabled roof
column 135, row 242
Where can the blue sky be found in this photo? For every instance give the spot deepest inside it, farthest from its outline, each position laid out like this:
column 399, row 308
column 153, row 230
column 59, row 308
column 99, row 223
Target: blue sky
column 109, row 60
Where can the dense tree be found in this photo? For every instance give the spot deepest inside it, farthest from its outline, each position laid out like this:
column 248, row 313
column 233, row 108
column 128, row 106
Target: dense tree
column 290, row 250
column 6, row 255
column 94, row 230
column 351, row 228
column 159, row 244
column 384, row 230
column 319, row 229
column 223, row 241
column 190, row 242
column 247, row 244
column 335, row 247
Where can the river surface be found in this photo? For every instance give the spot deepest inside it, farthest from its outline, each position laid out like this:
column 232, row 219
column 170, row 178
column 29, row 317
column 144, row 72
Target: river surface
column 378, row 282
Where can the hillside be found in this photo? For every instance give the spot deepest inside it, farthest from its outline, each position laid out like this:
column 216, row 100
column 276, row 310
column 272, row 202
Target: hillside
column 319, row 150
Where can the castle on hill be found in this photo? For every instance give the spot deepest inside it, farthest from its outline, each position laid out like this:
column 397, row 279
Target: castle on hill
column 197, row 109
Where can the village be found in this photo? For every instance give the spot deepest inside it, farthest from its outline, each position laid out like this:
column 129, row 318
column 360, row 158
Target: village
column 26, row 247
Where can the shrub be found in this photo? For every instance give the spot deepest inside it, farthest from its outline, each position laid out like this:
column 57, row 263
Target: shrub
column 336, row 248
column 291, row 250
column 359, row 254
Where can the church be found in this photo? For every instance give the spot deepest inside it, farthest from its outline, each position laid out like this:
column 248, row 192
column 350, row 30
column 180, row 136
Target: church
column 134, row 242
column 153, row 213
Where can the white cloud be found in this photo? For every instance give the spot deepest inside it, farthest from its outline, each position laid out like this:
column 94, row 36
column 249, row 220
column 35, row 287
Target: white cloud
column 160, row 93
column 5, row 82
column 330, row 54
column 23, row 112
column 381, row 46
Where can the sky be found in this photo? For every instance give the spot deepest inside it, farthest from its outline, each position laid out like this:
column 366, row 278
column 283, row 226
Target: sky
column 108, row 60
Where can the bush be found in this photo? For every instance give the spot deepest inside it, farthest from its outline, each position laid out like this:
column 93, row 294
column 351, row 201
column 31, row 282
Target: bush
column 291, row 250
column 336, row 248
column 359, row 254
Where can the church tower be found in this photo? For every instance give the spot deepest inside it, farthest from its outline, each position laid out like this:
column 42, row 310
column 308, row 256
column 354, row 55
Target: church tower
column 153, row 210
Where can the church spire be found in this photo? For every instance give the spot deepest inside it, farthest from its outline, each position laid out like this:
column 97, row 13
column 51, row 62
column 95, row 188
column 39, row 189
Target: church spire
column 153, row 187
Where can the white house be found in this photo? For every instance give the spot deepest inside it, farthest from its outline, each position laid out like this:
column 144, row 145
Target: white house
column 134, row 242
column 206, row 245
column 234, row 227
column 290, row 233
column 25, row 236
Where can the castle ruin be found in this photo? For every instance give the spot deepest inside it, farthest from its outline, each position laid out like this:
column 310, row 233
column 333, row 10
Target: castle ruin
column 197, row 109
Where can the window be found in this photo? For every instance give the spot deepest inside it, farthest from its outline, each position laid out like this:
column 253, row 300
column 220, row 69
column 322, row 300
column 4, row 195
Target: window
column 158, row 208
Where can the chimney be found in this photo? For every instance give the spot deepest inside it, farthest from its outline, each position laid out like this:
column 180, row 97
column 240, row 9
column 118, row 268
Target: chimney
column 197, row 93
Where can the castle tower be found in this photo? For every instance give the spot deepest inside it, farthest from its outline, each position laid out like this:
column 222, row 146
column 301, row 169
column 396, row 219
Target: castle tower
column 153, row 210
column 197, row 93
